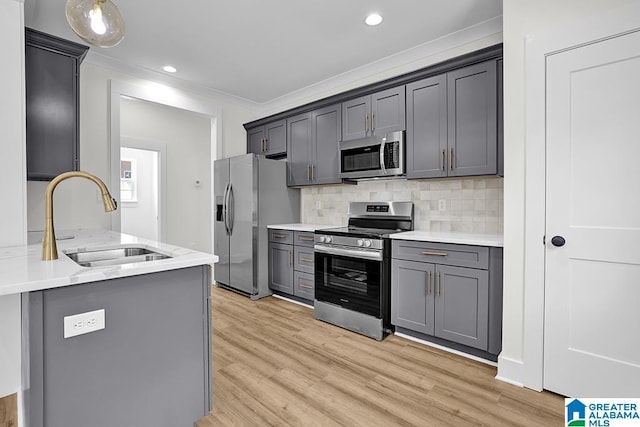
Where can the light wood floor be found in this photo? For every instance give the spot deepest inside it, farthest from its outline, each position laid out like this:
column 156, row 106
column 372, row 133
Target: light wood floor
column 274, row 364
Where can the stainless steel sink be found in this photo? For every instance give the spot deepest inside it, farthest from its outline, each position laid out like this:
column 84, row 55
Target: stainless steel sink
column 118, row 256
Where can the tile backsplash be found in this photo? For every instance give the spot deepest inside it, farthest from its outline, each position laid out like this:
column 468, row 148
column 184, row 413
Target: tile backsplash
column 471, row 205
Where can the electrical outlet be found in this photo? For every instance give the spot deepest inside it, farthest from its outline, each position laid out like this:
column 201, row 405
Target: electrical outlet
column 83, row 323
column 442, row 205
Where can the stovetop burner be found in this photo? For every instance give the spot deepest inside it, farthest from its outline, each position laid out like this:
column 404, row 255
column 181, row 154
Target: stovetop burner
column 364, row 232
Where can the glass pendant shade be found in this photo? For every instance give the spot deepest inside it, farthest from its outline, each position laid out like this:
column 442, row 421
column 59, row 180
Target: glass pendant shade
column 98, row 22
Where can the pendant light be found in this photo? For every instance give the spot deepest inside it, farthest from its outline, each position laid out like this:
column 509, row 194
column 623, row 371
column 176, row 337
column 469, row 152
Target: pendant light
column 98, row 22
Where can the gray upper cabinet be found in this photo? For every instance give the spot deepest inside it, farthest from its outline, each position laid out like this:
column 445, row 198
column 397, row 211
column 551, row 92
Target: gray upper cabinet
column 472, row 117
column 52, row 67
column 427, row 128
column 269, row 140
column 375, row 114
column 312, row 156
column 452, row 123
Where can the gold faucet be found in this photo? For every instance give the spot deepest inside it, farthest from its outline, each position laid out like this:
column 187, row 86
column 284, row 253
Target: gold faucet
column 49, row 247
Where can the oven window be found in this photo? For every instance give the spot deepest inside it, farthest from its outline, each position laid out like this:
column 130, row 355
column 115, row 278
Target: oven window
column 349, row 282
column 361, row 159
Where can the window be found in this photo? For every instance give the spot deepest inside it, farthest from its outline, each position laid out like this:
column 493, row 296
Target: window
column 128, row 183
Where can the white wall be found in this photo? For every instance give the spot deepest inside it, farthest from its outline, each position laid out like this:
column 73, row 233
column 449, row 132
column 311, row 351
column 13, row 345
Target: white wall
column 12, row 185
column 76, row 202
column 520, row 18
column 187, row 136
column 140, row 218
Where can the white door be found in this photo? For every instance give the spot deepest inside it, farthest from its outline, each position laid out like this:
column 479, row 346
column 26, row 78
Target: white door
column 592, row 283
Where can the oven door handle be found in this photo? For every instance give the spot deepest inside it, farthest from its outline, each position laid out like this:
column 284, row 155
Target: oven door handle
column 352, row 253
column 382, row 165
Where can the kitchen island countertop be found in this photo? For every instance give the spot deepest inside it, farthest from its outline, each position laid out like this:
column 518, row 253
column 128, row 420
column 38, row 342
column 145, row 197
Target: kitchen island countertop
column 24, row 271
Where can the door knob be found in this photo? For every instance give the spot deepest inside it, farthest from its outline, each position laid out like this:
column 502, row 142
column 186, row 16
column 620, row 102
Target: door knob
column 558, row 241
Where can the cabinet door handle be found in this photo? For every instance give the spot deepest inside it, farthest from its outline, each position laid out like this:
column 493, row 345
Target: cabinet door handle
column 438, row 285
column 313, row 172
column 306, row 260
column 280, row 236
column 308, row 172
column 442, row 162
column 373, row 121
column 366, row 123
column 305, row 286
column 428, row 282
column 451, row 159
column 289, row 258
column 266, row 144
column 306, row 239
column 435, row 253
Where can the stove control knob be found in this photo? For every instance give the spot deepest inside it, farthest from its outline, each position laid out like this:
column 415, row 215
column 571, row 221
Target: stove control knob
column 327, row 239
column 360, row 242
column 367, row 243
column 321, row 239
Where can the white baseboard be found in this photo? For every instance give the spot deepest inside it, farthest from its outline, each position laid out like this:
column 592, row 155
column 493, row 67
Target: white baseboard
column 292, row 300
column 510, row 371
column 447, row 349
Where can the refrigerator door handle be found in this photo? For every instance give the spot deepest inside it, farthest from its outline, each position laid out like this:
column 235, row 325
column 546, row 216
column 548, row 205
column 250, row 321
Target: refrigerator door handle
column 225, row 209
column 232, row 212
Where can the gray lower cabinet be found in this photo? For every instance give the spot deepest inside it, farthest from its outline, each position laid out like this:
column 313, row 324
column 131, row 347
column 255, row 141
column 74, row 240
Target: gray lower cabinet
column 269, row 140
column 452, row 123
column 149, row 366
column 281, row 267
column 52, row 84
column 312, row 156
column 291, row 264
column 452, row 292
column 375, row 114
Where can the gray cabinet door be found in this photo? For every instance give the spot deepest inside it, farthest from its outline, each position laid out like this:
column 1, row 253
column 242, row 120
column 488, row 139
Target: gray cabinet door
column 275, row 138
column 326, row 127
column 304, row 259
column 472, row 117
column 298, row 162
column 500, row 118
column 281, row 267
column 304, row 285
column 52, row 67
column 356, row 118
column 412, row 295
column 462, row 305
column 255, row 138
column 427, row 128
column 388, row 111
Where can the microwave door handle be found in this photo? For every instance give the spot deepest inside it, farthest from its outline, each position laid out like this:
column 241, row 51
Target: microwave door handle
column 384, row 169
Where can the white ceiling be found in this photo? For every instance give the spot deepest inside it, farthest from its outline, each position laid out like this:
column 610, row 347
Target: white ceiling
column 261, row 50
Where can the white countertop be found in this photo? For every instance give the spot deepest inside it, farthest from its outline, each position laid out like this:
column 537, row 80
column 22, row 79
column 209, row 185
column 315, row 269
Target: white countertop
column 302, row 227
column 22, row 270
column 495, row 240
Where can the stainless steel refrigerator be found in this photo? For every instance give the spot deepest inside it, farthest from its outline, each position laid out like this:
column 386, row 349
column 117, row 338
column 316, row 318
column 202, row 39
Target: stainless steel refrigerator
column 250, row 193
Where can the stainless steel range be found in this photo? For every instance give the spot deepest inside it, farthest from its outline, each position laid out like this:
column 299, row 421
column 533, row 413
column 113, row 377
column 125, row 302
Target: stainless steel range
column 353, row 267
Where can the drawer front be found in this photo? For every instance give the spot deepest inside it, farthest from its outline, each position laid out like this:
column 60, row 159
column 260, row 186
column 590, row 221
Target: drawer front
column 303, row 238
column 281, row 236
column 303, row 285
column 442, row 253
column 303, row 259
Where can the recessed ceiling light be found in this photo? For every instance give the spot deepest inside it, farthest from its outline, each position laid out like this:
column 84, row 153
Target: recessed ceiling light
column 169, row 69
column 373, row 19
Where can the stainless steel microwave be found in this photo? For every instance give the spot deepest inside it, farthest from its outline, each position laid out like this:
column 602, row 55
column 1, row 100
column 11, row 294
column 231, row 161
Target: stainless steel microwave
column 373, row 157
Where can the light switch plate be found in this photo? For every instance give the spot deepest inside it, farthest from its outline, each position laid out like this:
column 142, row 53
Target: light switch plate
column 83, row 323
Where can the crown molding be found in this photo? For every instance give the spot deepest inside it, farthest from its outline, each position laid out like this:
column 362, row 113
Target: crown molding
column 400, row 63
